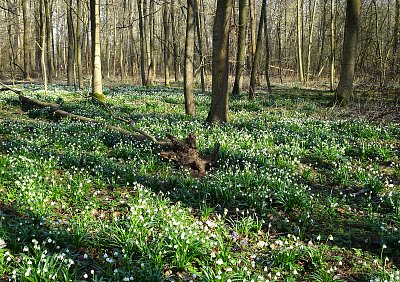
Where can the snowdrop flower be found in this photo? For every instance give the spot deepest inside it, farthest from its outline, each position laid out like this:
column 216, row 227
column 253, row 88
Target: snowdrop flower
column 2, row 244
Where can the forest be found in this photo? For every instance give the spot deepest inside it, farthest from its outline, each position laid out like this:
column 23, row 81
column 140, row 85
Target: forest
column 199, row 140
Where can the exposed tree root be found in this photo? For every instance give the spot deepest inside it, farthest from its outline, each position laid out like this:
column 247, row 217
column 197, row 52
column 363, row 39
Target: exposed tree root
column 183, row 153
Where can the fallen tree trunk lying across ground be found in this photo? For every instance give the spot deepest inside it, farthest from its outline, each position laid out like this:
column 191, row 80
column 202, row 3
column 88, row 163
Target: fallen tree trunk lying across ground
column 183, row 153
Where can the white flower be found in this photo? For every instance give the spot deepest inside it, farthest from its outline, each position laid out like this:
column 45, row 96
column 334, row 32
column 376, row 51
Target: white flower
column 330, row 238
column 85, row 276
column 261, row 244
column 219, row 262
column 2, row 244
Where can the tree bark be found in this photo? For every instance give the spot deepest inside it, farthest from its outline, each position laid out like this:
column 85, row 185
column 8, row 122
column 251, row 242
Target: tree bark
column 299, row 40
column 345, row 87
column 310, row 39
column 79, row 43
column 332, row 56
column 49, row 28
column 267, row 51
column 253, row 39
column 25, row 39
column 97, row 84
column 241, row 48
column 151, row 69
column 220, row 65
column 42, row 44
column 254, row 68
column 166, row 26
column 174, row 42
column 189, row 56
column 200, row 44
column 71, row 45
column 396, row 39
column 142, row 43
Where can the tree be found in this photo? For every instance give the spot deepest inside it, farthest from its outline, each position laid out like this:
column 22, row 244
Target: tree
column 310, row 39
column 142, row 43
column 42, row 45
column 396, row 38
column 200, row 44
column 299, row 39
column 151, row 51
column 71, row 45
column 49, row 31
column 267, row 51
column 332, row 55
column 166, row 43
column 241, row 48
column 254, row 68
column 97, row 86
column 25, row 38
column 189, row 56
column 349, row 55
column 219, row 98
column 79, row 43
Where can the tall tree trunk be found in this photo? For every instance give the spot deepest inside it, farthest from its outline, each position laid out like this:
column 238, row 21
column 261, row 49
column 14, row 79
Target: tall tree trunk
column 71, row 45
column 279, row 41
column 332, row 56
column 107, row 30
column 220, row 64
column 25, row 39
column 241, row 48
column 189, row 56
column 253, row 39
column 115, row 42
column 142, row 43
column 345, row 87
column 200, row 44
column 49, row 28
column 267, row 50
column 396, row 39
column 134, row 52
column 254, row 68
column 42, row 44
column 174, row 42
column 379, row 48
column 310, row 39
column 97, row 85
column 79, row 43
column 166, row 25
column 121, row 55
column 146, row 33
column 299, row 40
column 151, row 69
column 321, row 42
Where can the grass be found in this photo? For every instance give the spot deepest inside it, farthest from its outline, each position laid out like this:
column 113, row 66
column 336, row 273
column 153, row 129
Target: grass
column 301, row 192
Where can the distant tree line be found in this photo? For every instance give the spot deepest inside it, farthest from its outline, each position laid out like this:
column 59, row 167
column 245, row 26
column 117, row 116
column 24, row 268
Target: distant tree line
column 144, row 41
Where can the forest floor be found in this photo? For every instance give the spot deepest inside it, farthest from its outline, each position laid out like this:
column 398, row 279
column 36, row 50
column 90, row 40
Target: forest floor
column 302, row 191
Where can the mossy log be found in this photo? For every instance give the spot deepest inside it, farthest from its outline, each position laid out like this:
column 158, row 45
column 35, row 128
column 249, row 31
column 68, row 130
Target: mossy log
column 183, row 153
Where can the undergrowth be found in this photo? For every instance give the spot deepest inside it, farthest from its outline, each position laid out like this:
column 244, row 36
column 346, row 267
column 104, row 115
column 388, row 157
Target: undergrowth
column 301, row 192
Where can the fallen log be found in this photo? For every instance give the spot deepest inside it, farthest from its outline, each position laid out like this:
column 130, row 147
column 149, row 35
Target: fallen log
column 183, row 153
